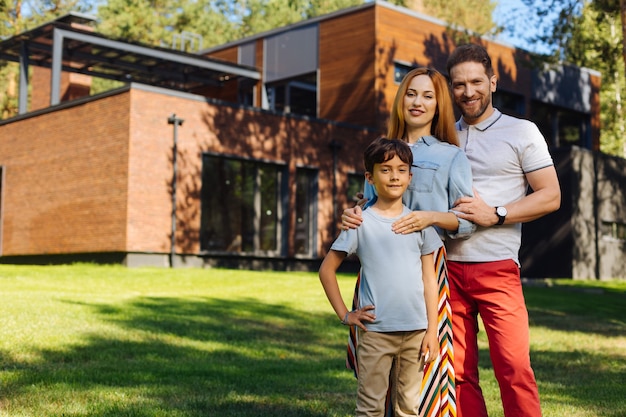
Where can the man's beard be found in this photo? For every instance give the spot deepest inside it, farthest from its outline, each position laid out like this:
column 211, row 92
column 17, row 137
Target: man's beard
column 477, row 114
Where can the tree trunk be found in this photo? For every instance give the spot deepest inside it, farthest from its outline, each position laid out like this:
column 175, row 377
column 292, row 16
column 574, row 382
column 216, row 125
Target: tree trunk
column 622, row 4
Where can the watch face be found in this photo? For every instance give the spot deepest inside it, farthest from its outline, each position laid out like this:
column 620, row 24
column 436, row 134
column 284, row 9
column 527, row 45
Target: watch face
column 501, row 211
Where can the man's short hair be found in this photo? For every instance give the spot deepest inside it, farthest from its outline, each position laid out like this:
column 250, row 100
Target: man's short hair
column 470, row 52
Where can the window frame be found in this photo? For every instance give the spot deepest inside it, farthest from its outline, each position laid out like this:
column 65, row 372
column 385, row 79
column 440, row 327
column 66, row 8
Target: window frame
column 311, row 192
column 255, row 201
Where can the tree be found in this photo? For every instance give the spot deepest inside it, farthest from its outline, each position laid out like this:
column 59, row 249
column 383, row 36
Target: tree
column 156, row 22
column 587, row 34
column 470, row 15
column 596, row 42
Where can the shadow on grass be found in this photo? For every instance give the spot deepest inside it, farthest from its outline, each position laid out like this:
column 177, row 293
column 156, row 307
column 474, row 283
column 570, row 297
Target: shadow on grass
column 204, row 357
column 591, row 382
column 587, row 378
column 214, row 357
column 583, row 309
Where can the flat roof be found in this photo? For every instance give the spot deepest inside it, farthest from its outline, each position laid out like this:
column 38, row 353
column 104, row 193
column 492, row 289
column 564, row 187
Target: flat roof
column 80, row 50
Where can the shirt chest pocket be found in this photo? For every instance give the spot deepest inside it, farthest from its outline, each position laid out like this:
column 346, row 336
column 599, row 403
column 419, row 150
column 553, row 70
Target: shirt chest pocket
column 424, row 173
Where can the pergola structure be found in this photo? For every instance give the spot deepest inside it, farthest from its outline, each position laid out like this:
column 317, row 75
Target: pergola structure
column 67, row 44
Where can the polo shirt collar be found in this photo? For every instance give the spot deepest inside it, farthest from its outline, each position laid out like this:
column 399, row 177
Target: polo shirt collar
column 485, row 124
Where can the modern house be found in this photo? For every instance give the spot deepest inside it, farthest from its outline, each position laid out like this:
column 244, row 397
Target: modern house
column 245, row 154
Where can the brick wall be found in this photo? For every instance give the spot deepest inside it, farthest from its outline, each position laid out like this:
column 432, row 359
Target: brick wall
column 228, row 130
column 65, row 186
column 96, row 177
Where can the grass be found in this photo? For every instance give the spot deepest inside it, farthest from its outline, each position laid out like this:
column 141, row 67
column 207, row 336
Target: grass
column 106, row 341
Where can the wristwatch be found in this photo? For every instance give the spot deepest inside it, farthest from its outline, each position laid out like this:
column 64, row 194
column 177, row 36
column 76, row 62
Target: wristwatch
column 501, row 213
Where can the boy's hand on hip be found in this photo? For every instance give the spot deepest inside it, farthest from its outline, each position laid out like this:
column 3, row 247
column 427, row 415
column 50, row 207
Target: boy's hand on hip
column 358, row 316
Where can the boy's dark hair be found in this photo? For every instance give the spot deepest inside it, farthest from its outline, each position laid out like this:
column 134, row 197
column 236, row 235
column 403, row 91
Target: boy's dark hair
column 470, row 52
column 383, row 149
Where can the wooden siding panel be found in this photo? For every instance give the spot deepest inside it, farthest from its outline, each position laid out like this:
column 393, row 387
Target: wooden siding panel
column 229, row 54
column 347, row 73
column 229, row 90
column 258, row 91
column 406, row 39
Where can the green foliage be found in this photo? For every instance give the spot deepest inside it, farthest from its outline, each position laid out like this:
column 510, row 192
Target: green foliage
column 556, row 19
column 19, row 16
column 217, row 22
column 137, row 20
column 475, row 16
column 589, row 34
column 156, row 21
column 9, row 72
column 100, row 85
column 596, row 42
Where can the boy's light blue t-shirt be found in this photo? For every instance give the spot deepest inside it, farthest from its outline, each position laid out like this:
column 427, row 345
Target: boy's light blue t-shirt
column 391, row 270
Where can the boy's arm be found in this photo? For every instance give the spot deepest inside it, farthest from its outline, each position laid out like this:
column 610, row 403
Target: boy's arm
column 328, row 277
column 430, row 344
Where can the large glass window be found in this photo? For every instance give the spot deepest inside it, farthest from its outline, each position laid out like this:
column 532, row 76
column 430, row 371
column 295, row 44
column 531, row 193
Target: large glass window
column 400, row 70
column 247, row 56
column 561, row 127
column 290, row 70
column 509, row 103
column 613, row 230
column 241, row 205
column 355, row 186
column 306, row 203
column 298, row 95
column 246, row 92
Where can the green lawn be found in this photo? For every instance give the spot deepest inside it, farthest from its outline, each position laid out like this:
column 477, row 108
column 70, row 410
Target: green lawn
column 109, row 341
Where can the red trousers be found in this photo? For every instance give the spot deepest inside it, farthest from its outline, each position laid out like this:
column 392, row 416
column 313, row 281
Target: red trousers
column 493, row 290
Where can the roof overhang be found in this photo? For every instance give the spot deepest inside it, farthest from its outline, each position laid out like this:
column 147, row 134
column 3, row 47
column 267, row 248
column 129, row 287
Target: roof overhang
column 68, row 45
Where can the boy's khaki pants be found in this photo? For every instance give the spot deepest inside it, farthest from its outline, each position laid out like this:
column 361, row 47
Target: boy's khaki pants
column 376, row 354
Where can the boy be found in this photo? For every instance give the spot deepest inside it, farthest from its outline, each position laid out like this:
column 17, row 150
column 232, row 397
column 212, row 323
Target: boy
column 397, row 312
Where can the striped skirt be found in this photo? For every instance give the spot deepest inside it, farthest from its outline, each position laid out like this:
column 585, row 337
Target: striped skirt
column 437, row 396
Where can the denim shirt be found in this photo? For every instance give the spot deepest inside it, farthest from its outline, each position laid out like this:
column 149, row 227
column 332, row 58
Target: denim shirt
column 441, row 175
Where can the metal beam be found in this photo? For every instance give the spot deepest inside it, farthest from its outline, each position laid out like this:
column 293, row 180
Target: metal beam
column 22, row 101
column 158, row 54
column 57, row 62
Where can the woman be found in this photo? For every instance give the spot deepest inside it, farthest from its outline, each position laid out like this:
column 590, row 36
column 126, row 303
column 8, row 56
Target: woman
column 422, row 115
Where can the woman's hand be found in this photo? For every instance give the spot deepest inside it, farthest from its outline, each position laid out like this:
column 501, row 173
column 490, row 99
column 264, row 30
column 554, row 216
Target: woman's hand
column 413, row 222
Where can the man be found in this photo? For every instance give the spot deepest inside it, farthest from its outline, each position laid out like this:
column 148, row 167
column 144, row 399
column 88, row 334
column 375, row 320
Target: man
column 506, row 155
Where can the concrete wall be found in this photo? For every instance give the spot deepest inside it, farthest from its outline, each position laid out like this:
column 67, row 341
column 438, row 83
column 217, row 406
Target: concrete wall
column 574, row 241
